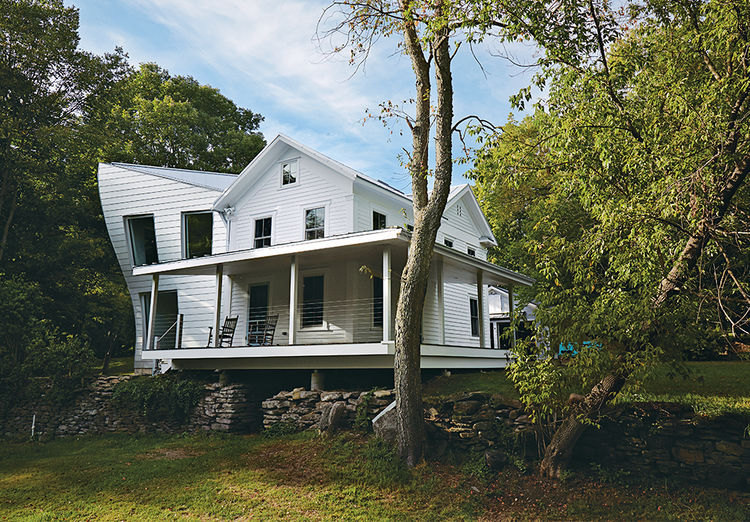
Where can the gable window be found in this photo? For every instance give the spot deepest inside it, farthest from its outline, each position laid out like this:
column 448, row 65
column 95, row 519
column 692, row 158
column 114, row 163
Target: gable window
column 377, row 301
column 198, row 233
column 448, row 242
column 459, row 210
column 143, row 240
column 378, row 221
column 471, row 251
column 315, row 223
column 262, row 232
column 312, row 301
column 474, row 314
column 289, row 173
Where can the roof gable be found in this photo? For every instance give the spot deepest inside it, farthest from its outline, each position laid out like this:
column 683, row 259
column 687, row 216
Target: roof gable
column 464, row 194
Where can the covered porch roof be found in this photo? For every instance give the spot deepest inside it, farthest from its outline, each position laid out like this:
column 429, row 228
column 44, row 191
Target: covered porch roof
column 237, row 261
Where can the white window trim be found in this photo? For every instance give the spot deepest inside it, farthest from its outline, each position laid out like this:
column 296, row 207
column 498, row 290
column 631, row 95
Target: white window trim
column 183, row 230
column 479, row 318
column 326, row 206
column 279, row 166
column 446, row 237
column 325, row 327
column 254, row 217
column 129, row 239
column 382, row 211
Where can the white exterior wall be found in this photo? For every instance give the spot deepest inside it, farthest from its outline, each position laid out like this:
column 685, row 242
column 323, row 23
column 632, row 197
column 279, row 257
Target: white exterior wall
column 126, row 193
column 369, row 199
column 461, row 229
column 317, row 186
column 456, row 293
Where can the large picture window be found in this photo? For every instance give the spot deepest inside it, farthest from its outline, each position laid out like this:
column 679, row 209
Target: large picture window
column 143, row 240
column 262, row 232
column 199, row 228
column 315, row 223
column 474, row 313
column 312, row 301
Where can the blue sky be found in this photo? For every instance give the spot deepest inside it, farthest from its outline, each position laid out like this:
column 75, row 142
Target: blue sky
column 262, row 54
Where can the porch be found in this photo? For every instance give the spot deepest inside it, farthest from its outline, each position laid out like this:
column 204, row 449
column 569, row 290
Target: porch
column 333, row 301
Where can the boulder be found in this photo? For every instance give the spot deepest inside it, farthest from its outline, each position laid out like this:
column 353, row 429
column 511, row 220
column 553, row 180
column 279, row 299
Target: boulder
column 384, row 424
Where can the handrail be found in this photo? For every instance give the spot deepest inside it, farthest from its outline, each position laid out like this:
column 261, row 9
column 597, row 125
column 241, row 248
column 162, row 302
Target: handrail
column 177, row 325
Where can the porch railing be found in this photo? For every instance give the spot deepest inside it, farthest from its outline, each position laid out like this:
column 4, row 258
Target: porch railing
column 177, row 327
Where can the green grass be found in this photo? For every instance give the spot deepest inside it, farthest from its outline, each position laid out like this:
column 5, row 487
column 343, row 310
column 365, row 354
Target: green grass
column 484, row 381
column 302, row 478
column 119, row 365
column 711, row 388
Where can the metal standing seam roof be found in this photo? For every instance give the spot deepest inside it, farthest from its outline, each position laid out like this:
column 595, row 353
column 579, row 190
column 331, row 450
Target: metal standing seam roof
column 217, row 181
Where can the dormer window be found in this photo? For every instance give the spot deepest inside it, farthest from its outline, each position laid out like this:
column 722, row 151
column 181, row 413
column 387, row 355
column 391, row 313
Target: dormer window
column 289, row 173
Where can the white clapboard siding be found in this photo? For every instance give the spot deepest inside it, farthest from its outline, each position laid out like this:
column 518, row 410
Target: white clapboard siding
column 456, row 296
column 317, row 186
column 461, row 229
column 126, row 192
column 369, row 198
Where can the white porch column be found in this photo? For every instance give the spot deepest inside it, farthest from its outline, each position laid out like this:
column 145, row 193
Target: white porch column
column 480, row 306
column 293, row 301
column 387, row 317
column 510, row 315
column 152, row 312
column 217, row 309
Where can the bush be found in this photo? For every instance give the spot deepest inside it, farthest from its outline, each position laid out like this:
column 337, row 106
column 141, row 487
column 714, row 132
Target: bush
column 162, row 397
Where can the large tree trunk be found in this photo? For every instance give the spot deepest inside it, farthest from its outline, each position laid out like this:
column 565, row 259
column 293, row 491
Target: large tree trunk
column 428, row 212
column 560, row 449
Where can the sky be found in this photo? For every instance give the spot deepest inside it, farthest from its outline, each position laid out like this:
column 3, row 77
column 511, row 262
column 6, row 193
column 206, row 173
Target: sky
column 263, row 55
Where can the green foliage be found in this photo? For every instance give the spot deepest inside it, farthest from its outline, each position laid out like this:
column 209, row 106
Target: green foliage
column 362, row 421
column 476, row 466
column 610, row 475
column 161, row 397
column 280, row 429
column 383, row 467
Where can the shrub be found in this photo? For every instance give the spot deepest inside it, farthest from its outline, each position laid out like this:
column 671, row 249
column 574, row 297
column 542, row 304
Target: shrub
column 162, row 397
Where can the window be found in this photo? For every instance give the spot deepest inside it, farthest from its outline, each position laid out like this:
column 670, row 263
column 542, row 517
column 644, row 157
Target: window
column 377, row 301
column 315, row 221
column 198, row 229
column 410, row 228
column 262, row 232
column 474, row 313
column 471, row 251
column 378, row 221
column 448, row 242
column 312, row 301
column 289, row 173
column 143, row 240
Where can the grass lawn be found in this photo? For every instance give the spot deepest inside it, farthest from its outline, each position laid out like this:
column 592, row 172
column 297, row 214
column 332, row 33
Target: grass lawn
column 711, row 388
column 302, row 477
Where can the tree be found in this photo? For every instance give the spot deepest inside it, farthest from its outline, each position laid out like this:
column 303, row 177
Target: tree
column 425, row 30
column 177, row 122
column 633, row 206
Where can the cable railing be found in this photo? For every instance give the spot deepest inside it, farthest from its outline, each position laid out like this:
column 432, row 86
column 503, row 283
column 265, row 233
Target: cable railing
column 177, row 327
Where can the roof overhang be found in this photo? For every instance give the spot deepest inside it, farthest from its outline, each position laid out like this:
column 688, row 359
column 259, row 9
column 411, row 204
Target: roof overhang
column 493, row 274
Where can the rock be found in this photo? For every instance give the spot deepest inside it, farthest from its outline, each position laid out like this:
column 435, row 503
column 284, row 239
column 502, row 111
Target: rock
column 466, row 407
column 384, row 424
column 325, row 413
column 381, row 394
column 331, row 396
column 337, row 417
column 729, row 448
column 495, row 459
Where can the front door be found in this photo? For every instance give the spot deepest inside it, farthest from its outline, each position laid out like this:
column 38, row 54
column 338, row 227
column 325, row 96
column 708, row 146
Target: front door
column 257, row 314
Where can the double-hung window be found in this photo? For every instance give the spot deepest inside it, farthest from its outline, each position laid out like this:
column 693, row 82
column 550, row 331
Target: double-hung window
column 262, row 232
column 315, row 223
column 474, row 314
column 198, row 233
column 143, row 240
column 289, row 173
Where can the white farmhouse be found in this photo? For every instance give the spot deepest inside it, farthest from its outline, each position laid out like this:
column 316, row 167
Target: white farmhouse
column 305, row 253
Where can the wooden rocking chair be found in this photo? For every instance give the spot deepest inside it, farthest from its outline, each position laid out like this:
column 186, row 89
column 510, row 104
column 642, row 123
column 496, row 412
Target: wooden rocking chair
column 225, row 335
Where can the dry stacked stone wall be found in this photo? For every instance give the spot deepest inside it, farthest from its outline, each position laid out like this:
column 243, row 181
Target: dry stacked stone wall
column 655, row 440
column 227, row 408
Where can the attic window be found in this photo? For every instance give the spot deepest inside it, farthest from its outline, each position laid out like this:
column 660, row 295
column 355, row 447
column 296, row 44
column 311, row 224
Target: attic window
column 471, row 251
column 288, row 173
column 448, row 242
column 459, row 210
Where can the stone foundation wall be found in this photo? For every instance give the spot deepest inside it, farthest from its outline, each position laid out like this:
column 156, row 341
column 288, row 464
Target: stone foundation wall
column 229, row 408
column 656, row 440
